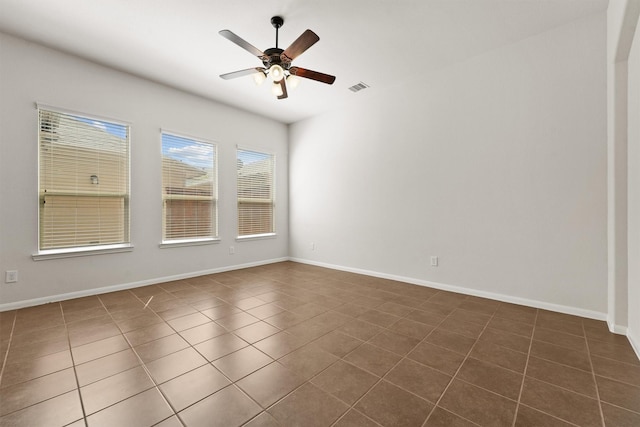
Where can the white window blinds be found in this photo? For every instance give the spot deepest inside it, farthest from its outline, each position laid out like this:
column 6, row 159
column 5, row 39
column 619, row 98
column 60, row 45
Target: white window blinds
column 84, row 181
column 255, row 193
column 189, row 189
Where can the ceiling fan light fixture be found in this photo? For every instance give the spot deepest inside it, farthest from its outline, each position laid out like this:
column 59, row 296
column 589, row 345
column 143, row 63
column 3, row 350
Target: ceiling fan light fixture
column 277, row 73
column 277, row 62
column 259, row 78
column 276, row 88
column 293, row 81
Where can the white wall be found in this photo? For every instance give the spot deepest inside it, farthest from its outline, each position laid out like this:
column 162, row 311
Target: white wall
column 634, row 191
column 30, row 73
column 497, row 165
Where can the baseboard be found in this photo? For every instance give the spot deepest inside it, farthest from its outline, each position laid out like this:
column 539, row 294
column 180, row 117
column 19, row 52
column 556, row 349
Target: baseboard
column 132, row 285
column 616, row 329
column 453, row 288
column 467, row 291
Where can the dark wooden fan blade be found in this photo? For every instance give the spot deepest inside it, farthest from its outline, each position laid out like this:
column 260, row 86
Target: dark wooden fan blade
column 242, row 43
column 242, row 73
column 313, row 75
column 283, row 85
column 302, row 43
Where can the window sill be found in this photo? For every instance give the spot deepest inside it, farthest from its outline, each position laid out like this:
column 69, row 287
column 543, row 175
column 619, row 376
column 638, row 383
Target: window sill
column 256, row 237
column 183, row 243
column 78, row 252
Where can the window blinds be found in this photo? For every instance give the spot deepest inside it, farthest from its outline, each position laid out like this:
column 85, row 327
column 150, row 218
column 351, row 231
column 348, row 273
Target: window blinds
column 255, row 192
column 84, row 181
column 189, row 208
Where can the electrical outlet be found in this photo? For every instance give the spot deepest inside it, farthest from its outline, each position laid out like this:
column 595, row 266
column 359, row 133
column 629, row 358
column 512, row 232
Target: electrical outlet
column 232, row 250
column 434, row 261
column 11, row 276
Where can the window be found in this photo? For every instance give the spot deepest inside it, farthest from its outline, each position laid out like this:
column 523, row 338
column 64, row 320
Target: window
column 255, row 193
column 189, row 190
column 84, row 182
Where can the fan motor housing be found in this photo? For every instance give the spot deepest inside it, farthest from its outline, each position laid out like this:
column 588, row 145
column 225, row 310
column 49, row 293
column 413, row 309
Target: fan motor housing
column 272, row 57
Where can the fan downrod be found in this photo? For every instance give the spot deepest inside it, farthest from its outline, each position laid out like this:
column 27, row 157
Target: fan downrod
column 277, row 22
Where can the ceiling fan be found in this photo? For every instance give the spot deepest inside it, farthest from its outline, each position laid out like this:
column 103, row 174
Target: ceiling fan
column 277, row 62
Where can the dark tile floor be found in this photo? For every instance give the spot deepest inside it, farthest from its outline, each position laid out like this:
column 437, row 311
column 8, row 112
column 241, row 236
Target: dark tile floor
column 295, row 345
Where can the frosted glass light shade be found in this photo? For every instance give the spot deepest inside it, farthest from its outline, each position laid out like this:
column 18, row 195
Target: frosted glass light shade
column 277, row 73
column 293, row 81
column 259, row 78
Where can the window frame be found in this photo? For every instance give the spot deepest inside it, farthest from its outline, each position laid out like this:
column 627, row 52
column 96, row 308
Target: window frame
column 273, row 232
column 83, row 250
column 215, row 226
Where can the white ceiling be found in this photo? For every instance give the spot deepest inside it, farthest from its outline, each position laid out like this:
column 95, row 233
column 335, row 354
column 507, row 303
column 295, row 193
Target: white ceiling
column 176, row 42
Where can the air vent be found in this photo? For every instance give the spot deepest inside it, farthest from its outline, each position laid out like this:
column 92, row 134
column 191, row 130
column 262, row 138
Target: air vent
column 358, row 87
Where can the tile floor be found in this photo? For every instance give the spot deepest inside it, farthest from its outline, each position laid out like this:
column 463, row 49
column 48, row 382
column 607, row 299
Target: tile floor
column 295, row 345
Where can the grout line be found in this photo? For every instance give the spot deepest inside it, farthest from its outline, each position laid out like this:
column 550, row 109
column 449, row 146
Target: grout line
column 75, row 371
column 622, row 408
column 142, row 364
column 559, row 386
column 452, row 413
column 354, row 410
column 453, row 377
column 402, row 358
column 550, row 415
column 593, row 375
column 526, row 367
column 6, row 355
column 405, row 357
column 231, row 382
column 563, row 388
column 234, row 383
